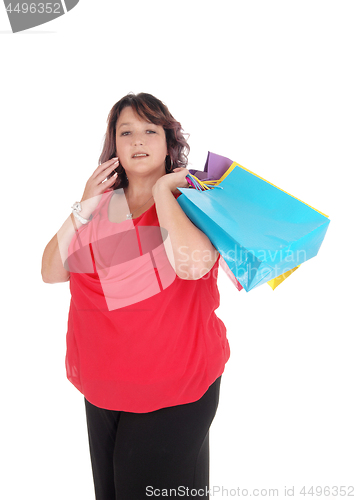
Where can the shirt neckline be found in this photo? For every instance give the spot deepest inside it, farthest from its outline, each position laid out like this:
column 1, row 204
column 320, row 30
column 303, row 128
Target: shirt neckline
column 133, row 219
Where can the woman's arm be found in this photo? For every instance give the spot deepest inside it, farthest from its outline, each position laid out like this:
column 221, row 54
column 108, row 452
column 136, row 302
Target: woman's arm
column 56, row 252
column 190, row 253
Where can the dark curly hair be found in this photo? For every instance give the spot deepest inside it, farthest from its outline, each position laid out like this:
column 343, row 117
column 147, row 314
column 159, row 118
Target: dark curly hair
column 153, row 110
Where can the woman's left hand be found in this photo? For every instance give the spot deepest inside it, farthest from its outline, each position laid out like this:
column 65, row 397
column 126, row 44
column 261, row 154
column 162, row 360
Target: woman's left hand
column 173, row 180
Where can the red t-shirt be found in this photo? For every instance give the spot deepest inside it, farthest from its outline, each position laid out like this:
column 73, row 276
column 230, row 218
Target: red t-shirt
column 139, row 337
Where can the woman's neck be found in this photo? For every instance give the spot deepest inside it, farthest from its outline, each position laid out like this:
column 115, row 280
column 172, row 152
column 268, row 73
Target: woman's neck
column 137, row 195
column 139, row 188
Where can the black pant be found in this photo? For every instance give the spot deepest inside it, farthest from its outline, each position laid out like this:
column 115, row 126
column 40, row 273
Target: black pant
column 137, row 455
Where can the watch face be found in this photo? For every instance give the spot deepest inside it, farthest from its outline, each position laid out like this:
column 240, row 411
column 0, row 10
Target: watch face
column 77, row 207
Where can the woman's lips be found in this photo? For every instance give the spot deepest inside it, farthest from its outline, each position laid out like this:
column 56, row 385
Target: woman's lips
column 139, row 155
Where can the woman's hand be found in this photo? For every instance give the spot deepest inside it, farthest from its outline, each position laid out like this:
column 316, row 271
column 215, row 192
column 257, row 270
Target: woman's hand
column 173, row 180
column 189, row 250
column 97, row 183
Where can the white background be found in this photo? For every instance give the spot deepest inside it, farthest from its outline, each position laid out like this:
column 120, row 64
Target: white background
column 269, row 84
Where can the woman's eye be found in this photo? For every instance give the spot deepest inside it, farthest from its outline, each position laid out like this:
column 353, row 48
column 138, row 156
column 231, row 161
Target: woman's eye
column 148, row 131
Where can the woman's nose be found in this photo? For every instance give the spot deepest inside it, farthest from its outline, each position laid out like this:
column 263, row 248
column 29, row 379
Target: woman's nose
column 137, row 139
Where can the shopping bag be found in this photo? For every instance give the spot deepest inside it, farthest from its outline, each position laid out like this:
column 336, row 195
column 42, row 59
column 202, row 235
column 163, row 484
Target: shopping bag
column 215, row 168
column 279, row 279
column 261, row 231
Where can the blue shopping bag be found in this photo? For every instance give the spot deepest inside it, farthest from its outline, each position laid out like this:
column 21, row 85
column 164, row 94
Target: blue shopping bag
column 261, row 231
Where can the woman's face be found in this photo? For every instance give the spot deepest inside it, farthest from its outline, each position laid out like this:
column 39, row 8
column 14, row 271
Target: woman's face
column 141, row 146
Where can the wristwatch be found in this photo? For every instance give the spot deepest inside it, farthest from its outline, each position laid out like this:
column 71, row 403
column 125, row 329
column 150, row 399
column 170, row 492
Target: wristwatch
column 76, row 208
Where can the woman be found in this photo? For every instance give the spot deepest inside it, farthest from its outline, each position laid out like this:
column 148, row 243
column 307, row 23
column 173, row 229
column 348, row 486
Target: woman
column 144, row 345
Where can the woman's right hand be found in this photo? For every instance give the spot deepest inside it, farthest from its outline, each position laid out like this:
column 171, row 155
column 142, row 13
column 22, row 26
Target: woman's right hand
column 97, row 183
